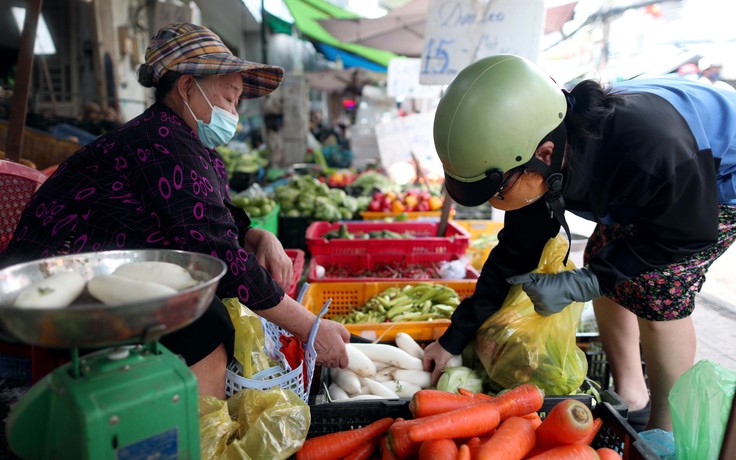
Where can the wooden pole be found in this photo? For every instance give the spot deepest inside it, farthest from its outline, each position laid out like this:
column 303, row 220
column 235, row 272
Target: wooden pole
column 444, row 212
column 19, row 101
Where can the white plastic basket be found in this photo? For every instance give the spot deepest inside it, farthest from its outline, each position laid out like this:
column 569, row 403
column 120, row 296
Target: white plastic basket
column 281, row 375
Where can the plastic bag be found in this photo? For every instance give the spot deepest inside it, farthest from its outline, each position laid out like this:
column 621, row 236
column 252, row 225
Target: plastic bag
column 455, row 269
column 700, row 403
column 249, row 338
column 253, row 424
column 517, row 345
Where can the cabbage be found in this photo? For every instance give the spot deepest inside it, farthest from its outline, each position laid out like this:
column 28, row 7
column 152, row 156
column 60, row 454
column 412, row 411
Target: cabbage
column 460, row 377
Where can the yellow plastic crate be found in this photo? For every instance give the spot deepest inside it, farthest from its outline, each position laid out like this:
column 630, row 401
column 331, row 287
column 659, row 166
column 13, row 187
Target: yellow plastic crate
column 478, row 228
column 413, row 215
column 346, row 297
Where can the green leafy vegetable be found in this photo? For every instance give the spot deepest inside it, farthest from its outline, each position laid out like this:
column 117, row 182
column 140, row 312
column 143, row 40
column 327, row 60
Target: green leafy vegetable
column 460, row 377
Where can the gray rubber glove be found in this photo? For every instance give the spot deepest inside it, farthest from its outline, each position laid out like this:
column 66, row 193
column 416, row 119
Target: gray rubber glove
column 552, row 293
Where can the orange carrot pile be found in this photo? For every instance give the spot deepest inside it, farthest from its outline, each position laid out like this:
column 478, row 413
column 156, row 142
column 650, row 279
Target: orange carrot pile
column 338, row 445
column 469, row 426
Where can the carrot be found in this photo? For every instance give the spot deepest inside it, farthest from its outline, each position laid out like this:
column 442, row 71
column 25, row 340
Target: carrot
column 475, row 420
column 534, row 418
column 463, row 452
column 570, row 421
column 594, row 427
column 475, row 442
column 438, row 449
column 519, row 401
column 568, row 452
column 341, row 443
column 398, row 439
column 608, row 454
column 513, row 439
column 430, row 402
column 364, row 451
column 466, row 392
column 386, row 453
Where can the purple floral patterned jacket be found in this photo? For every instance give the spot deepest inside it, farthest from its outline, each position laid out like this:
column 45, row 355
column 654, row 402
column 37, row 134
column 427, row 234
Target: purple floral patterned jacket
column 148, row 184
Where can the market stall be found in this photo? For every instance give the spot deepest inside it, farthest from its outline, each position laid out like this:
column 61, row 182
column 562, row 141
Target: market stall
column 380, row 249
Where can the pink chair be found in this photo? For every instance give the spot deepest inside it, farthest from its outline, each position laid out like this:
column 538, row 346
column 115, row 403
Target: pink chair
column 18, row 183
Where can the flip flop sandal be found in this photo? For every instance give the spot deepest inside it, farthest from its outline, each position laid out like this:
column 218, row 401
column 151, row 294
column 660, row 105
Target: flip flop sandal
column 638, row 418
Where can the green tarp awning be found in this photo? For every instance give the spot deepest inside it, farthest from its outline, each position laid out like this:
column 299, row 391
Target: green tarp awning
column 306, row 13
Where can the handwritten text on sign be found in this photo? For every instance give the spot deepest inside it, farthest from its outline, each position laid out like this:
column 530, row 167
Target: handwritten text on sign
column 459, row 32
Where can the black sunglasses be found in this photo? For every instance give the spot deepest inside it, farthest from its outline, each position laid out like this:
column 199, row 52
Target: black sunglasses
column 509, row 180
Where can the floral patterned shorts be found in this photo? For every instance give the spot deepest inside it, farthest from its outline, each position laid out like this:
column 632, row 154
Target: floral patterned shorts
column 668, row 292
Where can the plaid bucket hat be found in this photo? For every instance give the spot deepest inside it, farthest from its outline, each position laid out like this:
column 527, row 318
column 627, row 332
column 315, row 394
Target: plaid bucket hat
column 195, row 50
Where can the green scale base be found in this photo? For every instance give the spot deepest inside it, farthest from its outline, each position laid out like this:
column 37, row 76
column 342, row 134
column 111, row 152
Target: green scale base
column 124, row 403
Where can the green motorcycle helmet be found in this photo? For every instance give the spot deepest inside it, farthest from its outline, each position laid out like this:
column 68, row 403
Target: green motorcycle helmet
column 490, row 120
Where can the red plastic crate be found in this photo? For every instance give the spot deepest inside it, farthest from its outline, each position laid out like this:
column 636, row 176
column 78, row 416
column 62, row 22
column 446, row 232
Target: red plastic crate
column 297, row 258
column 425, row 241
column 354, row 263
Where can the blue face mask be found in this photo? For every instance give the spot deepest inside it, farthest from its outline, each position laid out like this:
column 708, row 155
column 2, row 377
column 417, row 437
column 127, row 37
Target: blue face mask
column 221, row 128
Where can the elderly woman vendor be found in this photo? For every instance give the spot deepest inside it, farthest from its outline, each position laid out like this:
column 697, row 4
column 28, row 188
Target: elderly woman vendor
column 157, row 182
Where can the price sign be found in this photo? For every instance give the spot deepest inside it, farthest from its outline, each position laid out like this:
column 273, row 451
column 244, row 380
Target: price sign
column 400, row 137
column 403, row 80
column 460, row 32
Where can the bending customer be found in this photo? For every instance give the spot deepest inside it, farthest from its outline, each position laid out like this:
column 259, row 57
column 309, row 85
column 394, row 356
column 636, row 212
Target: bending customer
column 650, row 161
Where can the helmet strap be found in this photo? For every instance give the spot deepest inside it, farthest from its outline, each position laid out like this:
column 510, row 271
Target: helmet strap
column 555, row 179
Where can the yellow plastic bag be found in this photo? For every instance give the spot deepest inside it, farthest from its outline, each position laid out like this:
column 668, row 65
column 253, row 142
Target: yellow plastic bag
column 517, row 345
column 249, row 338
column 253, row 424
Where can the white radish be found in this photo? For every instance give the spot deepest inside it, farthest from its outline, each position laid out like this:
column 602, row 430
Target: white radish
column 421, row 378
column 166, row 273
column 455, row 361
column 387, row 373
column 56, row 291
column 389, row 354
column 401, row 388
column 376, row 388
column 381, row 366
column 111, row 289
column 360, row 397
column 336, row 392
column 358, row 362
column 409, row 345
column 346, row 379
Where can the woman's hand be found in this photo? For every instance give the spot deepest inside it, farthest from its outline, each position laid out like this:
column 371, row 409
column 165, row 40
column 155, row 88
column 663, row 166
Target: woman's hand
column 435, row 360
column 271, row 256
column 330, row 344
column 331, row 335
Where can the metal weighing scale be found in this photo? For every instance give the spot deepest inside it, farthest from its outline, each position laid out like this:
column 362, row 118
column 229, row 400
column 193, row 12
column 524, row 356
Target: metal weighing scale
column 131, row 399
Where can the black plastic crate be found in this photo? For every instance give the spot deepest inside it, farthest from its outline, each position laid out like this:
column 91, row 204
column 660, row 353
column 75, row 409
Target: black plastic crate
column 615, row 433
column 17, row 368
column 293, row 231
column 598, row 366
column 331, row 417
column 598, row 369
column 15, row 362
